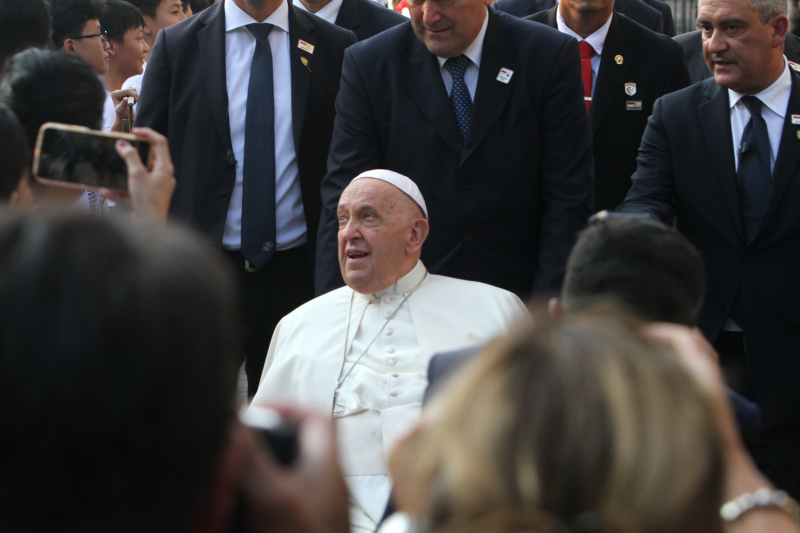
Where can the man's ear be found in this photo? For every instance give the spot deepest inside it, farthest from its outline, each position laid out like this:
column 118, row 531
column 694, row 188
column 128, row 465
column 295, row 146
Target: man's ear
column 69, row 46
column 148, row 22
column 110, row 47
column 419, row 232
column 22, row 197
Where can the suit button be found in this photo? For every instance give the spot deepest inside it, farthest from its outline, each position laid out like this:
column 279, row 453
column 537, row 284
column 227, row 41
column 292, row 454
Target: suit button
column 468, row 236
column 223, row 196
column 466, row 184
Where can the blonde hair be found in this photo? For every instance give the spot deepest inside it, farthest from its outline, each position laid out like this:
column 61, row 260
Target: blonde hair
column 581, row 424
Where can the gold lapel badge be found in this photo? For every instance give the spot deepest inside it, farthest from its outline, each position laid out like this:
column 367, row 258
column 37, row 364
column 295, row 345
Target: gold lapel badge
column 304, row 61
column 618, row 59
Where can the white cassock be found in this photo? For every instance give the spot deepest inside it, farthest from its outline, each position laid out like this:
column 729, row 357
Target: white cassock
column 381, row 397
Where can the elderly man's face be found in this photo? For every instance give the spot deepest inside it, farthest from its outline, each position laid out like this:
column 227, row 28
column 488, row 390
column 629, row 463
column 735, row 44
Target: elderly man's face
column 743, row 53
column 447, row 27
column 376, row 235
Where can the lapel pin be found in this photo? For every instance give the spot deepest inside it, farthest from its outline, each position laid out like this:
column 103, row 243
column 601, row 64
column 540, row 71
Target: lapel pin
column 305, row 47
column 798, row 134
column 633, row 105
column 795, row 119
column 630, row 88
column 618, row 59
column 504, row 76
column 795, row 66
column 304, row 61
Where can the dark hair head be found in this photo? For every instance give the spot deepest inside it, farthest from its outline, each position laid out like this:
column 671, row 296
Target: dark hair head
column 120, row 17
column 23, row 24
column 644, row 265
column 199, row 5
column 13, row 152
column 70, row 16
column 117, row 373
column 146, row 7
column 47, row 86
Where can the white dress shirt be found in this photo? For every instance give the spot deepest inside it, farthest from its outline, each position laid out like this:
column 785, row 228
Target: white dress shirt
column 329, row 11
column 474, row 52
column 775, row 100
column 135, row 82
column 240, row 46
column 595, row 40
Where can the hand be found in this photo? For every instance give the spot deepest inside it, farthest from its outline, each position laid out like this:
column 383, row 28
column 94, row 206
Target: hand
column 120, row 99
column 149, row 191
column 309, row 496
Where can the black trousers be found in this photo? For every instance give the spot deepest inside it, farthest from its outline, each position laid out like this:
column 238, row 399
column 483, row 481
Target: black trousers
column 285, row 283
column 775, row 448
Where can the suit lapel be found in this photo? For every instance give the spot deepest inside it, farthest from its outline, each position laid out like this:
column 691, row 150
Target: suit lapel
column 422, row 79
column 302, row 65
column 211, row 43
column 611, row 75
column 491, row 95
column 716, row 120
column 788, row 154
column 348, row 15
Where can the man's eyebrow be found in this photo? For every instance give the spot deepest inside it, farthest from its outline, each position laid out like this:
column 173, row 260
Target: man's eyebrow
column 360, row 207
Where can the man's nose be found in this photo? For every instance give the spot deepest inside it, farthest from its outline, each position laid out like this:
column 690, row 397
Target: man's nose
column 430, row 12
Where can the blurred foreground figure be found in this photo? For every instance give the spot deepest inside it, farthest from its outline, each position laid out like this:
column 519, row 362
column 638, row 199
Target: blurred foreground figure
column 117, row 372
column 591, row 423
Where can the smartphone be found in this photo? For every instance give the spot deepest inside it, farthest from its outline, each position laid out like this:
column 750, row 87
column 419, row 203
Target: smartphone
column 277, row 434
column 78, row 157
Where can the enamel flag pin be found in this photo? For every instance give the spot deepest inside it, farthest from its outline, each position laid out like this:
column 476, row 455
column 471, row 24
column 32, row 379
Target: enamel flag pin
column 304, row 61
column 795, row 66
column 630, row 88
column 504, row 76
column 618, row 59
column 795, row 119
column 305, row 47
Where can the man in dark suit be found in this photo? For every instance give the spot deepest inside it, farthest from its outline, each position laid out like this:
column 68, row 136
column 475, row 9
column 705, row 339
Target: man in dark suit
column 648, row 13
column 195, row 91
column 504, row 163
column 722, row 158
column 692, row 44
column 631, row 68
column 365, row 18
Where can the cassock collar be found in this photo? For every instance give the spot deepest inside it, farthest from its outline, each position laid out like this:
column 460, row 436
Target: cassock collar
column 402, row 286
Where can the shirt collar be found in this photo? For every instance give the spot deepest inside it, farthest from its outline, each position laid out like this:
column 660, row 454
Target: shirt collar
column 402, row 286
column 775, row 97
column 329, row 11
column 235, row 18
column 475, row 50
column 596, row 39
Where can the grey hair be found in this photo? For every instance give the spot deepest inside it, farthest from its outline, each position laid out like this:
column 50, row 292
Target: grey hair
column 767, row 9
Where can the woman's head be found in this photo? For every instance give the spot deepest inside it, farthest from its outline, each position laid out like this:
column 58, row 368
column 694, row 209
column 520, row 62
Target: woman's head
column 585, row 421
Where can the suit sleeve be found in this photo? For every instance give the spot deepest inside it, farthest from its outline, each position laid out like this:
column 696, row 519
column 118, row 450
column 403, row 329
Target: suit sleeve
column 355, row 147
column 567, row 167
column 153, row 106
column 651, row 191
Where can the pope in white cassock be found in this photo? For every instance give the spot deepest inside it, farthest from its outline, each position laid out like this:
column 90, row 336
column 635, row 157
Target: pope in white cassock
column 361, row 352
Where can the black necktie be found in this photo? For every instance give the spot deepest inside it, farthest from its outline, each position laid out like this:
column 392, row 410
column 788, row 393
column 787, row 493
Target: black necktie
column 754, row 172
column 459, row 96
column 258, row 187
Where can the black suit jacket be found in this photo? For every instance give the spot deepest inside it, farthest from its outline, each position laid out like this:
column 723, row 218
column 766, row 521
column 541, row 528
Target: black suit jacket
column 654, row 63
column 666, row 14
column 366, row 18
column 633, row 9
column 504, row 206
column 184, row 96
column 692, row 44
column 687, row 172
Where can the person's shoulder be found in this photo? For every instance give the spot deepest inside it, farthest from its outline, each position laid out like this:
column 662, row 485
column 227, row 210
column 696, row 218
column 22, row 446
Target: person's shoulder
column 692, row 38
column 648, row 38
column 325, row 305
column 471, row 289
column 525, row 32
column 375, row 10
column 323, row 29
column 195, row 23
column 388, row 43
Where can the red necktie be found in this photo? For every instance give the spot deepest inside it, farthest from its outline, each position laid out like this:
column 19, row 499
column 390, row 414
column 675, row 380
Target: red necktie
column 586, row 72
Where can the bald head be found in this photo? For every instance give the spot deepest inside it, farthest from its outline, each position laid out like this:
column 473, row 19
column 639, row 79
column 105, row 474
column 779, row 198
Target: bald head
column 381, row 231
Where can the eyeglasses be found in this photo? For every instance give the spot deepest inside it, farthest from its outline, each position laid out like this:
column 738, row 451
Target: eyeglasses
column 103, row 36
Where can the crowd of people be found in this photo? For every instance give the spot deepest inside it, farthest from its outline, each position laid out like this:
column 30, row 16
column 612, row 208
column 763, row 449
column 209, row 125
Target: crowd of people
column 522, row 266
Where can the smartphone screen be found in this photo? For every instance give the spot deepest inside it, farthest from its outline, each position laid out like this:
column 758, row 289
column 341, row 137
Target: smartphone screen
column 84, row 157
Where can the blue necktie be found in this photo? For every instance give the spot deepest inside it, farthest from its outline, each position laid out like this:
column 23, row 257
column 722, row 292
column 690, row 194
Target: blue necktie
column 754, row 172
column 258, row 188
column 459, row 96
